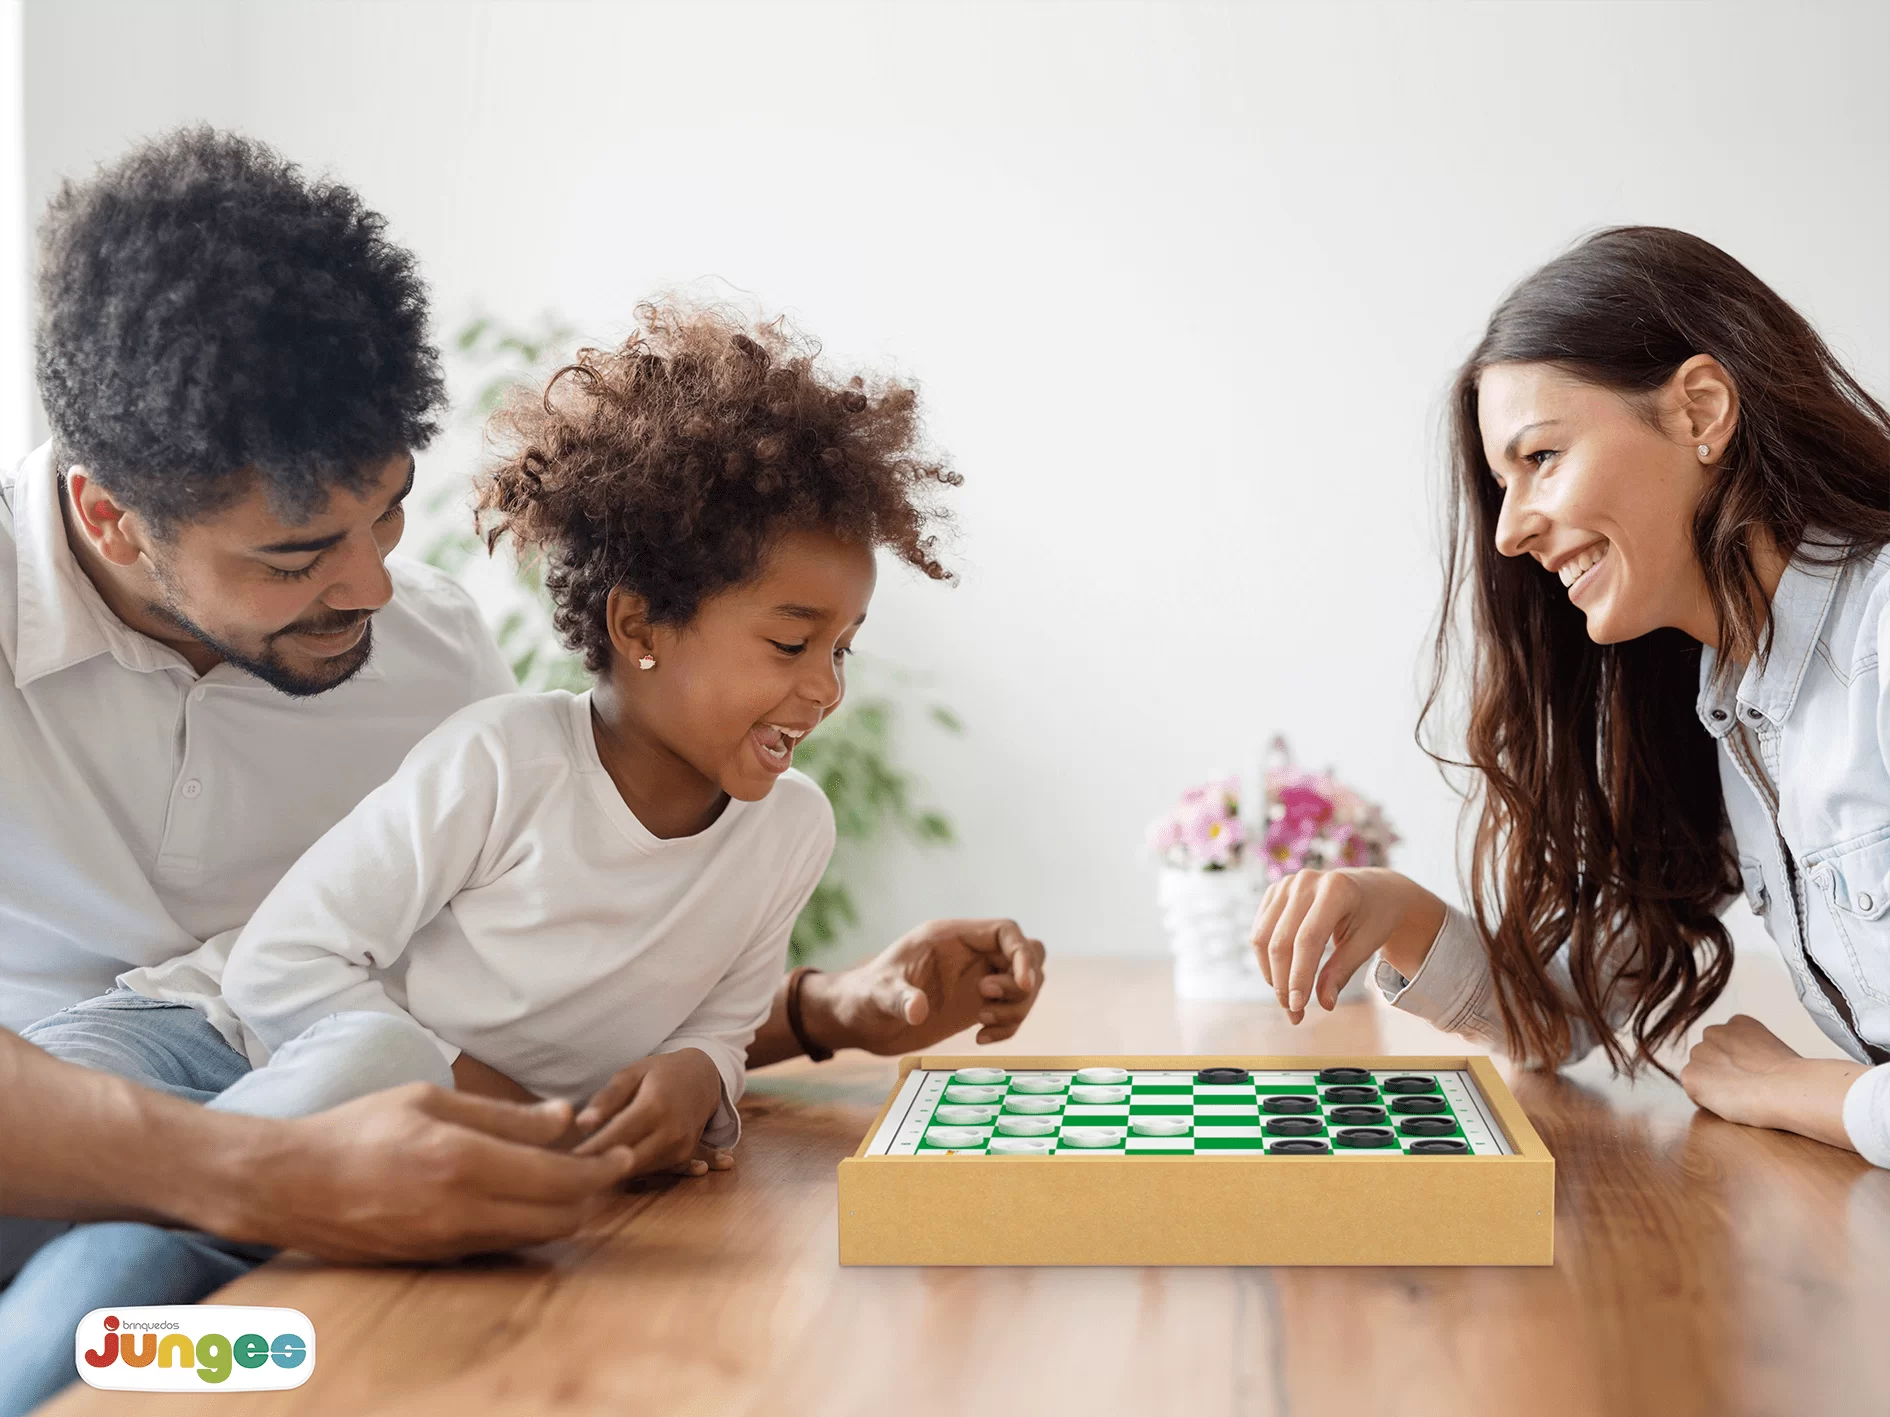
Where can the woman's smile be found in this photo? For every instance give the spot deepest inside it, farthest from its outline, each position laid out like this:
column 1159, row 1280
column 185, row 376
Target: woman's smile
column 1581, row 571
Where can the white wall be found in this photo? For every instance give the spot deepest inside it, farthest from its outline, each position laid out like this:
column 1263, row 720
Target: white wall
column 1183, row 285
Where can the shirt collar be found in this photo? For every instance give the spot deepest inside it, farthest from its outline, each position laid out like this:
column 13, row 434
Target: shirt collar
column 1768, row 689
column 63, row 620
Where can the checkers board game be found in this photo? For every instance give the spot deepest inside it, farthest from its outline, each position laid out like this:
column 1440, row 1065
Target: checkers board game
column 1198, row 1161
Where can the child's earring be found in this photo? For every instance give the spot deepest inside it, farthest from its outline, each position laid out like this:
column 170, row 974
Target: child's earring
column 647, row 662
column 1705, row 452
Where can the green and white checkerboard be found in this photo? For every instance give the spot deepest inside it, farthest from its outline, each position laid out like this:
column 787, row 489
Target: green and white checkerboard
column 1061, row 1113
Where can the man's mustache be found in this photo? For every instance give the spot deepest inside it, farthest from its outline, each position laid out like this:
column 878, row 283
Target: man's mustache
column 326, row 625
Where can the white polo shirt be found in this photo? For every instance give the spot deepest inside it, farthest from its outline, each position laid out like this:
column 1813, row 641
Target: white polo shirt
column 145, row 808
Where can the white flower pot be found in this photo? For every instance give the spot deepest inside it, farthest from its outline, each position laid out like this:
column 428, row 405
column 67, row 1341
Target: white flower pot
column 1209, row 919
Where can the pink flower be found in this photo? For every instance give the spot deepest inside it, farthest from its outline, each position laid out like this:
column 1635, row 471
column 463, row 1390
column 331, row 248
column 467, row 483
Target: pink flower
column 1349, row 848
column 1304, row 805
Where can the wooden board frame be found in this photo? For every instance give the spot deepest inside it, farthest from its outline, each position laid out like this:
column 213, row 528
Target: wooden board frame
column 1236, row 1209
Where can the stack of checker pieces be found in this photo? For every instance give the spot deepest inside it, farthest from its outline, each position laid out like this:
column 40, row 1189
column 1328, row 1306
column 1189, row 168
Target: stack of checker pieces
column 1338, row 1110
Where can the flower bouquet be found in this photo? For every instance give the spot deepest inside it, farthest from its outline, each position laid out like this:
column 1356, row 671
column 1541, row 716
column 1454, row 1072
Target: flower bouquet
column 1216, row 866
column 1315, row 820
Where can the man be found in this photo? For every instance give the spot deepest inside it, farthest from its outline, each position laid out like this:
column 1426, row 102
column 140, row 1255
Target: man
column 209, row 658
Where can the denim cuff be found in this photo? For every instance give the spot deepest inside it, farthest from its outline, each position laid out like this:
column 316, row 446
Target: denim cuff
column 1452, row 987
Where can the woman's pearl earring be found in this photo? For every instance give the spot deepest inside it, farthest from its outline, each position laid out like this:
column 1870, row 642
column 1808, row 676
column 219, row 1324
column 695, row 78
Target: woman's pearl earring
column 647, row 662
column 1705, row 452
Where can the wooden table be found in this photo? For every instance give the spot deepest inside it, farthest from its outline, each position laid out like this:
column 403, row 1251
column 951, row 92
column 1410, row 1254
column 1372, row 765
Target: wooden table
column 1701, row 1268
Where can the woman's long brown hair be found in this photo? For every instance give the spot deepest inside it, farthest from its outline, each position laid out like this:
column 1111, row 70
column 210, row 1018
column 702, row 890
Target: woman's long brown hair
column 1599, row 820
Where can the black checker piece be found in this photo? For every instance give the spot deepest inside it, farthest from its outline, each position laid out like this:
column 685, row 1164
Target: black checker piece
column 1292, row 1126
column 1223, row 1077
column 1440, row 1146
column 1427, row 1126
column 1340, row 1075
column 1289, row 1102
column 1298, row 1146
column 1358, row 1116
column 1364, row 1136
column 1350, row 1096
column 1413, row 1106
column 1409, row 1084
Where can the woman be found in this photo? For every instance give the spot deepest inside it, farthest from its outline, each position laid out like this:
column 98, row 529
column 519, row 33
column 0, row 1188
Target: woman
column 1670, row 512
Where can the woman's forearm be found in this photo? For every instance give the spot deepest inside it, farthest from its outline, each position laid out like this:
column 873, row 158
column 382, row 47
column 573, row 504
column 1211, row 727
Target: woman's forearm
column 1807, row 1097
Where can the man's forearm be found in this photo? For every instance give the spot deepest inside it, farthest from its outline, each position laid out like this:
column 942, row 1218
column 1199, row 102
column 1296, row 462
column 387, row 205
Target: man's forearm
column 87, row 1145
column 774, row 1041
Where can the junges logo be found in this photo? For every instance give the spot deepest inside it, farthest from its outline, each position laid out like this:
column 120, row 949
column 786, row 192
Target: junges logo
column 188, row 1347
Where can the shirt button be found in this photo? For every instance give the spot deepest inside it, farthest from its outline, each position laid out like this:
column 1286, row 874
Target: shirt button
column 1863, row 902
column 193, row 788
column 1719, row 715
column 1754, row 714
column 197, row 696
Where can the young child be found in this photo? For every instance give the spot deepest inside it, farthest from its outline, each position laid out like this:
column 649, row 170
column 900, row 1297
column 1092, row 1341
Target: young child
column 589, row 896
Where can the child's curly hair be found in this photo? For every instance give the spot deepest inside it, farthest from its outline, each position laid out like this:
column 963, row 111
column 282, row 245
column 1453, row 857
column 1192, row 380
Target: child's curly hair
column 668, row 465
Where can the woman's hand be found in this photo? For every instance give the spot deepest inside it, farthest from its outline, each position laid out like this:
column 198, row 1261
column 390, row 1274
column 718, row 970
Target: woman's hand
column 1742, row 1071
column 1356, row 911
column 658, row 1107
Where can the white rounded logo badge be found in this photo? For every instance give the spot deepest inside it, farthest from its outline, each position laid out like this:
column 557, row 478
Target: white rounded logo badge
column 194, row 1348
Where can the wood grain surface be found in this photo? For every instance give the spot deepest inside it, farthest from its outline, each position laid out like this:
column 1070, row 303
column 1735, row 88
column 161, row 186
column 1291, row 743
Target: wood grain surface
column 1702, row 1268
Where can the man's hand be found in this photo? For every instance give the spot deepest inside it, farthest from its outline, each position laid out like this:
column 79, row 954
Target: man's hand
column 937, row 980
column 1746, row 1073
column 657, row 1107
column 416, row 1173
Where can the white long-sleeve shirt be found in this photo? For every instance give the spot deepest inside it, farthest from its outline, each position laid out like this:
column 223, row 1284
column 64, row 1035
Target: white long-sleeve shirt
column 1805, row 768
column 498, row 890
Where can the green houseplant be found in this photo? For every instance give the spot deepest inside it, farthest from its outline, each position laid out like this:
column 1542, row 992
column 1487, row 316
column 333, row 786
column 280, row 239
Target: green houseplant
column 854, row 754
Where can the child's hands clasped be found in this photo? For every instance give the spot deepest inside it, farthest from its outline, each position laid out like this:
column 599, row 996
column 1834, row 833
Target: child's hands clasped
column 658, row 1107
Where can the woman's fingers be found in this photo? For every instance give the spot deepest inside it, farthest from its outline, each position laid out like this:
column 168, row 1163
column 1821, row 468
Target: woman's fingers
column 1332, row 902
column 1299, row 900
column 1271, row 906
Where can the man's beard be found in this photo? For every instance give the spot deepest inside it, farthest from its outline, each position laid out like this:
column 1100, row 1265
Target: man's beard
column 269, row 666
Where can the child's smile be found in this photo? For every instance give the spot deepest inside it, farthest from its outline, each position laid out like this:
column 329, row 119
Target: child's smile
column 728, row 696
column 775, row 744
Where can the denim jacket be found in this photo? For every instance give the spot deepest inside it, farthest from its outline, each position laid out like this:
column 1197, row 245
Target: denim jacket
column 1804, row 764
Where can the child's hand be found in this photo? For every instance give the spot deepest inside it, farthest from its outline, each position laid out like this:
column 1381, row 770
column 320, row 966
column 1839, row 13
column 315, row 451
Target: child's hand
column 658, row 1107
column 1744, row 1072
column 471, row 1075
column 940, row 978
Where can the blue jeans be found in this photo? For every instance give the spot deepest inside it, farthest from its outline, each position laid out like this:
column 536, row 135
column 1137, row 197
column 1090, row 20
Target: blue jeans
column 173, row 1048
